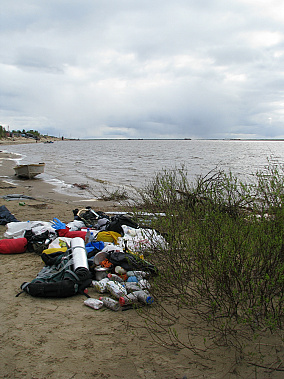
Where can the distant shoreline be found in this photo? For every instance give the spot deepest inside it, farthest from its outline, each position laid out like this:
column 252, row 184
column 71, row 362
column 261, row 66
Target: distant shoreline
column 174, row 139
column 23, row 140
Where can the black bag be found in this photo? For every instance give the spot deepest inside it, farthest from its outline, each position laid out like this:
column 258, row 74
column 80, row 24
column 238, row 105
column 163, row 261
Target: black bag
column 63, row 288
column 88, row 216
column 6, row 216
column 37, row 243
column 131, row 262
column 116, row 222
column 57, row 278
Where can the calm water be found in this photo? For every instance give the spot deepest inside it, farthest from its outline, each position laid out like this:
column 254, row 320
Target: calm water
column 125, row 163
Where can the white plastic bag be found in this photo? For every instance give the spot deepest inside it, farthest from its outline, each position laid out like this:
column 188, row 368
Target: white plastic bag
column 18, row 229
column 93, row 303
column 59, row 242
column 75, row 225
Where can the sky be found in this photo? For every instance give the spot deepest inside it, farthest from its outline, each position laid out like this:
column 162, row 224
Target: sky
column 143, row 68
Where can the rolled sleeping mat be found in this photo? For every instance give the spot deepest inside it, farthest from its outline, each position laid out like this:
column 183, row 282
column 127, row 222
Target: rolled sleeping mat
column 79, row 255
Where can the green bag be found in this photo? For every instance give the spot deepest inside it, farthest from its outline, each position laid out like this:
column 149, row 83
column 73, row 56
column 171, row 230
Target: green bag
column 57, row 278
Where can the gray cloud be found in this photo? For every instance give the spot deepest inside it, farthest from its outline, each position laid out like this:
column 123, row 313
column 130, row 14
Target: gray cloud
column 163, row 69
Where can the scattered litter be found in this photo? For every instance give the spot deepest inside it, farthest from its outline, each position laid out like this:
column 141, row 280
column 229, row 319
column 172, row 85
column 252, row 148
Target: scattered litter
column 96, row 251
column 6, row 187
column 17, row 197
column 6, row 216
column 94, row 303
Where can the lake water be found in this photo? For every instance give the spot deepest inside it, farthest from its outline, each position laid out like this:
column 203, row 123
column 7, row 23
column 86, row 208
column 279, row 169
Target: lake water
column 114, row 164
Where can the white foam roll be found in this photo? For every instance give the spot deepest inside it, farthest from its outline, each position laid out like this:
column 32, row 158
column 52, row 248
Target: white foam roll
column 79, row 253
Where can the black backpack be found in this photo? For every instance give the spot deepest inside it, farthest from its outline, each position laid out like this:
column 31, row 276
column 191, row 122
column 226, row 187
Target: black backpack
column 117, row 221
column 88, row 216
column 38, row 243
column 57, row 278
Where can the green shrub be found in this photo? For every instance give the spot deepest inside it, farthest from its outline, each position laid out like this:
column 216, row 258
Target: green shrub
column 224, row 263
column 114, row 195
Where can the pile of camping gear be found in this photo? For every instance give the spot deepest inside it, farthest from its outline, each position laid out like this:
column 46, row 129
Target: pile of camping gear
column 94, row 250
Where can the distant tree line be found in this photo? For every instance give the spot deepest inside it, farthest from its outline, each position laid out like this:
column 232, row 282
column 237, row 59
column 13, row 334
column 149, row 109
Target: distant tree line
column 29, row 133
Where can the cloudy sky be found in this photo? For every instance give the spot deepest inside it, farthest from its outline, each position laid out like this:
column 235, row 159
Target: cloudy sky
column 143, row 68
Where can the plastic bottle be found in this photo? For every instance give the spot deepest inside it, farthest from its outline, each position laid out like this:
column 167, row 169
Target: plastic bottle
column 100, row 285
column 93, row 303
column 130, row 298
column 132, row 279
column 116, row 289
column 144, row 284
column 132, row 286
column 110, row 303
column 87, row 236
column 144, row 296
column 91, row 237
column 137, row 285
column 115, row 278
column 139, row 274
column 119, row 270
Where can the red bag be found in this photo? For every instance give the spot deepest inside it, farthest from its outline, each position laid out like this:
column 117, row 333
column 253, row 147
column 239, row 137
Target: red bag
column 13, row 246
column 76, row 233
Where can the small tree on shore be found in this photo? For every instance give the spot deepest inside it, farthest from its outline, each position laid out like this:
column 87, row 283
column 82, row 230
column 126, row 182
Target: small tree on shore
column 2, row 131
column 224, row 263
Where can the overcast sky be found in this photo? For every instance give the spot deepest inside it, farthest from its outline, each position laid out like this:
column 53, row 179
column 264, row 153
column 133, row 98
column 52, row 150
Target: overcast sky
column 143, row 68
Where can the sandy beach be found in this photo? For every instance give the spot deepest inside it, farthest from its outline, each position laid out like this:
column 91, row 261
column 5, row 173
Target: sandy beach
column 62, row 338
